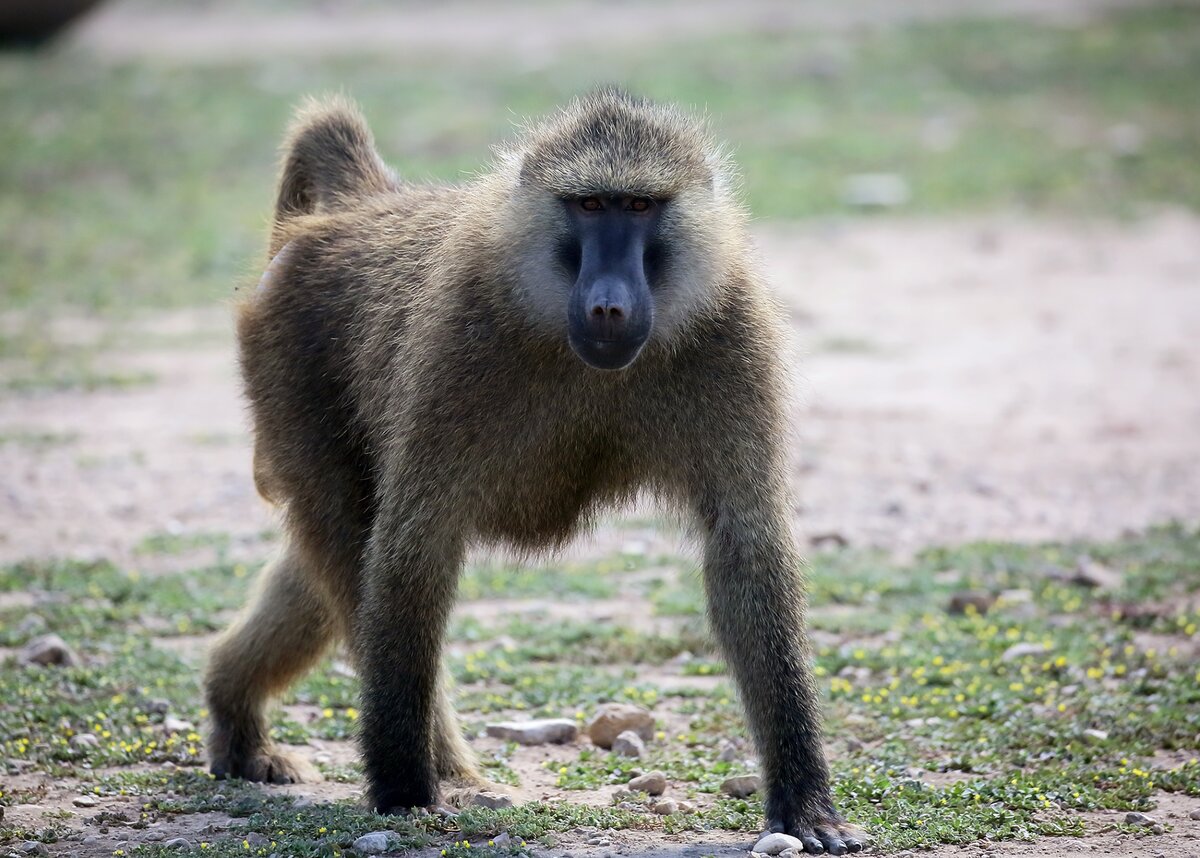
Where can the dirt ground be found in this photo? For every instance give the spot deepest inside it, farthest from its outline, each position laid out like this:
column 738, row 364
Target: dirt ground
column 995, row 378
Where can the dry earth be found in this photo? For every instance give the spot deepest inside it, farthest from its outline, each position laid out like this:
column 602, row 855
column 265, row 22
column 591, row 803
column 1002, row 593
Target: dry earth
column 1002, row 378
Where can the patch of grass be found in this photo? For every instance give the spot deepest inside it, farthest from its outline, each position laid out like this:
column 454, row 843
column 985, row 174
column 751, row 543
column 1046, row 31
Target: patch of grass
column 146, row 184
column 38, row 440
column 1060, row 700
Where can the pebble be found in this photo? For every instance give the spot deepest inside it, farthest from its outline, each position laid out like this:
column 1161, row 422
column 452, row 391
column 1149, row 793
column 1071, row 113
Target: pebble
column 1195, row 814
column 729, row 752
column 48, row 650
column 543, row 731
column 157, row 706
column 1089, row 573
column 1020, row 650
column 853, row 745
column 1134, row 818
column 491, row 800
column 501, row 840
column 373, row 843
column 1095, row 735
column 84, row 801
column 687, row 807
column 629, row 744
column 180, row 843
column 773, row 844
column 85, row 740
column 613, row 719
column 256, row 839
column 741, row 786
column 665, row 807
column 652, row 783
column 177, row 725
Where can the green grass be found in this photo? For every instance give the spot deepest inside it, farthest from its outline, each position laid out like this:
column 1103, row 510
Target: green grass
column 1101, row 712
column 144, row 184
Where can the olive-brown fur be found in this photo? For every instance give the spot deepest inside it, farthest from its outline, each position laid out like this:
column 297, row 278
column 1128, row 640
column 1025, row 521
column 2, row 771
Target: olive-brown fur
column 413, row 394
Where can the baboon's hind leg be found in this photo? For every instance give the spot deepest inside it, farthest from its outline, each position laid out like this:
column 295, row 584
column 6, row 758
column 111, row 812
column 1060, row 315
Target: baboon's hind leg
column 457, row 767
column 279, row 636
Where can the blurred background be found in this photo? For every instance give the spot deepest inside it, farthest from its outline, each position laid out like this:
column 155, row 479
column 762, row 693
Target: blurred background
column 981, row 216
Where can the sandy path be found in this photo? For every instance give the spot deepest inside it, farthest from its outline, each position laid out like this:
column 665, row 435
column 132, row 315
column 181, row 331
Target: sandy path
column 989, row 379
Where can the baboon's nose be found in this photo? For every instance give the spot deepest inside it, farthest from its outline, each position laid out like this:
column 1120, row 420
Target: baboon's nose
column 607, row 319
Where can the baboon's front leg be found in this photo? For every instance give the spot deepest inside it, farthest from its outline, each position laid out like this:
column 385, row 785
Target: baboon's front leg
column 407, row 595
column 753, row 584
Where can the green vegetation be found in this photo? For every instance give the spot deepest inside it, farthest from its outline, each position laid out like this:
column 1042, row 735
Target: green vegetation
column 1013, row 722
column 147, row 184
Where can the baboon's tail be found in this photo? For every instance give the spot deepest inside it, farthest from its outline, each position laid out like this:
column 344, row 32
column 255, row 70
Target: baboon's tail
column 330, row 160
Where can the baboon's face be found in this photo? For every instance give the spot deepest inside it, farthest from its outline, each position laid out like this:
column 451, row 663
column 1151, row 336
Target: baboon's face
column 611, row 251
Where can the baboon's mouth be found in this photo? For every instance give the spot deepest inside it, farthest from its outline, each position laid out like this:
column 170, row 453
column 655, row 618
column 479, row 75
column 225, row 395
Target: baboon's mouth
column 610, row 354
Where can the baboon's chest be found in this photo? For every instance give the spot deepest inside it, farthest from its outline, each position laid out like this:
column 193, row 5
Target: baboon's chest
column 544, row 484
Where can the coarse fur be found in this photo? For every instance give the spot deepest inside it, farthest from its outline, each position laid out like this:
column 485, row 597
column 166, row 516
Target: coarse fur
column 414, row 393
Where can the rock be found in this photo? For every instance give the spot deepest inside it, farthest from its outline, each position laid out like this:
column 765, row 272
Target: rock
column 875, row 190
column 48, row 650
column 741, row 787
column 501, row 840
column 32, row 847
column 651, row 783
column 543, row 731
column 966, row 599
column 1134, row 818
column 1089, row 573
column 157, row 706
column 373, row 843
column 84, row 801
column 255, row 839
column 613, row 719
column 1020, row 650
column 629, row 744
column 665, row 807
column 84, row 740
column 687, row 807
column 491, row 800
column 729, row 751
column 177, row 725
column 1195, row 814
column 180, row 843
column 1095, row 735
column 853, row 745
column 773, row 844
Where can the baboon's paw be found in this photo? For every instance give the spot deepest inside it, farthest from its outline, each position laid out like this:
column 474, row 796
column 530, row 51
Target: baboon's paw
column 269, row 766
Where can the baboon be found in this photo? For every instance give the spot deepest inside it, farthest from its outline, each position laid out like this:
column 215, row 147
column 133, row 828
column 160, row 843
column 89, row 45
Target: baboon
column 433, row 367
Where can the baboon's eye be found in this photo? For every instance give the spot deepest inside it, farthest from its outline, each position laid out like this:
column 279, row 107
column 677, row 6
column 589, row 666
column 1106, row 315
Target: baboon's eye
column 639, row 204
column 591, row 204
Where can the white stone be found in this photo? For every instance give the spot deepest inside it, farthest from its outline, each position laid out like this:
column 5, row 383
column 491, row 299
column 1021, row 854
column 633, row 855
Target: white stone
column 773, row 844
column 373, row 843
column 491, row 800
column 742, row 786
column 629, row 744
column 543, row 731
column 651, row 783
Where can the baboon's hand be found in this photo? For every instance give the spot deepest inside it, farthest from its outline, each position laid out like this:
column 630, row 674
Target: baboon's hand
column 812, row 819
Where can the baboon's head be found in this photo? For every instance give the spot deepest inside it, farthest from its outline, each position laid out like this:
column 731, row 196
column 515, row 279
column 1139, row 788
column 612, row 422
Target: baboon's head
column 620, row 211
